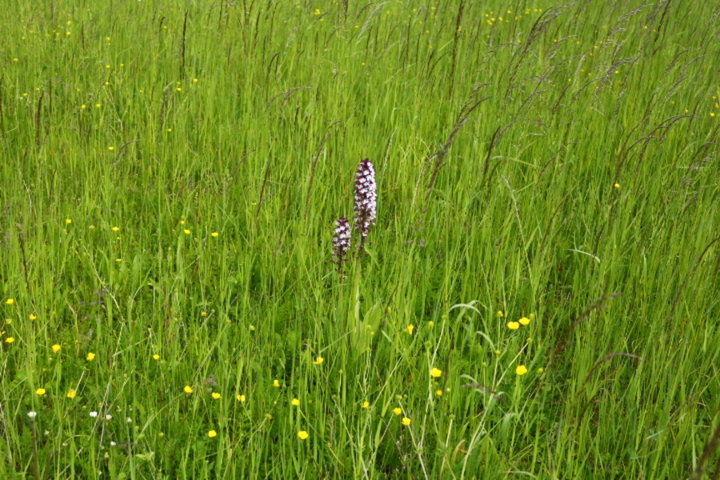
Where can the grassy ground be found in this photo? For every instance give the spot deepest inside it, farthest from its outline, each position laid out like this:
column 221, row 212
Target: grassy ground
column 170, row 176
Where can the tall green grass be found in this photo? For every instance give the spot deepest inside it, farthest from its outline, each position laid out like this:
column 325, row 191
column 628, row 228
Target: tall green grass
column 170, row 176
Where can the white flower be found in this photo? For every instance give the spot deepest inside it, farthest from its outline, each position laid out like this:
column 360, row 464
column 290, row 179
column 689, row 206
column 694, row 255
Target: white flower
column 32, row 414
column 108, row 417
column 93, row 414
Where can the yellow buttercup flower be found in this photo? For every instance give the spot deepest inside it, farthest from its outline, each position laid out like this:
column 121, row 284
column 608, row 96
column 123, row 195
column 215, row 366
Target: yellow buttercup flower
column 513, row 325
column 276, row 383
column 521, row 370
column 72, row 393
column 397, row 410
column 409, row 329
column 435, row 372
column 90, row 357
column 40, row 391
column 188, row 389
column 212, row 434
column 240, row 398
column 366, row 404
column 406, row 421
column 216, row 396
column 318, row 361
column 303, row 435
column 56, row 348
column 524, row 321
column 295, row 402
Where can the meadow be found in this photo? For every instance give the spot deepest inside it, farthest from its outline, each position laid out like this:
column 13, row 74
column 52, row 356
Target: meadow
column 538, row 297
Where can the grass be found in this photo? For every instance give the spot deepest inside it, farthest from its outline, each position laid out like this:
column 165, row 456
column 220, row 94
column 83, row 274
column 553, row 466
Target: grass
column 170, row 176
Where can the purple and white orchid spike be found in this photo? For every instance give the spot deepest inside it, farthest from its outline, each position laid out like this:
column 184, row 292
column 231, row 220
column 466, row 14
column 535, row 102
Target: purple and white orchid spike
column 365, row 199
column 341, row 241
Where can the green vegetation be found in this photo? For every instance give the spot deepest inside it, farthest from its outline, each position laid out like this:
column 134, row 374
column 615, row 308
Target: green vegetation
column 171, row 173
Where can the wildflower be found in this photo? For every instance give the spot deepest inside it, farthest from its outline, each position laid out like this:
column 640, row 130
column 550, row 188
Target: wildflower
column 40, row 392
column 365, row 199
column 341, row 241
column 366, row 404
column 525, row 321
column 406, row 421
column 212, row 434
column 32, row 414
column 295, row 402
column 9, row 339
column 216, row 396
column 435, row 372
column 203, row 314
column 617, row 185
column 521, row 370
column 90, row 357
column 276, row 383
column 439, row 392
column 188, row 389
column 500, row 314
column 187, row 231
column 108, row 417
column 409, row 329
column 93, row 414
column 115, row 229
column 56, row 348
column 240, row 398
column 318, row 360
column 72, row 393
column 303, row 435
column 513, row 325
column 111, row 148
column 214, row 234
column 9, row 301
column 156, row 356
column 397, row 411
column 68, row 221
